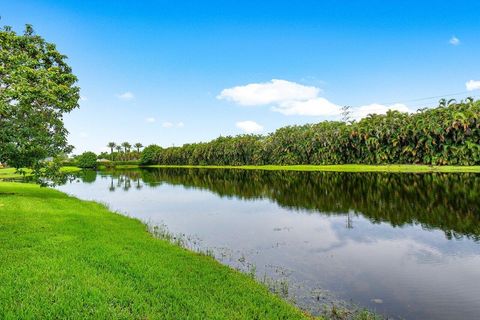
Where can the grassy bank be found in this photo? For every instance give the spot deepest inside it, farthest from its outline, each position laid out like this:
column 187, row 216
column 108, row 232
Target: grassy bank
column 67, row 258
column 10, row 173
column 343, row 168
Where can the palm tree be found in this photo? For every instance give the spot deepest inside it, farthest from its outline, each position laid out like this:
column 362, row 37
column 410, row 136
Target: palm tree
column 111, row 145
column 118, row 148
column 138, row 145
column 127, row 147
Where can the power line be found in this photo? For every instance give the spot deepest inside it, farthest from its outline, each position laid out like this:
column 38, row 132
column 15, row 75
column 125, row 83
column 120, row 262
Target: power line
column 423, row 99
column 421, row 105
column 428, row 98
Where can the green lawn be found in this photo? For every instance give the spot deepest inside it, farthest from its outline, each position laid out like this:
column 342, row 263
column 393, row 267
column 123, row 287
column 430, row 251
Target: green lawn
column 61, row 257
column 345, row 168
column 10, row 173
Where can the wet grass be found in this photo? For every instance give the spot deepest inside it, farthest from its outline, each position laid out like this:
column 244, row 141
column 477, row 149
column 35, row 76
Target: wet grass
column 280, row 286
column 407, row 168
column 66, row 258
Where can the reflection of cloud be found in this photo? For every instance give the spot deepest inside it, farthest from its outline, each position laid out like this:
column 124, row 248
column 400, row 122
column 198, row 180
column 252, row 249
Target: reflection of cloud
column 425, row 254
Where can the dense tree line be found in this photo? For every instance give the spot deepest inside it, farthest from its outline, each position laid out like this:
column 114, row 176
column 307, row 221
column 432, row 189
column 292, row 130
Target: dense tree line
column 446, row 135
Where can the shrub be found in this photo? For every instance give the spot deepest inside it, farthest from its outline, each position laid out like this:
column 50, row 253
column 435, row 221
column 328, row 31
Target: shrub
column 150, row 154
column 87, row 160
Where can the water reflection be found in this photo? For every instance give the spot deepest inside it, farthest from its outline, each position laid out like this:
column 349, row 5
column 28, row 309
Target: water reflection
column 403, row 244
column 449, row 202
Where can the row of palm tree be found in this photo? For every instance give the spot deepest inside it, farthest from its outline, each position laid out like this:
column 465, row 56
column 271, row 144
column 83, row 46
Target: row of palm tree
column 446, row 135
column 124, row 151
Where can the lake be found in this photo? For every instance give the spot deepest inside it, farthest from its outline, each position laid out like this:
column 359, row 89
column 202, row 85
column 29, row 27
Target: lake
column 404, row 245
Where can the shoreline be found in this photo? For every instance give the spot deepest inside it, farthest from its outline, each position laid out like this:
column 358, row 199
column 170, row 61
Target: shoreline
column 393, row 168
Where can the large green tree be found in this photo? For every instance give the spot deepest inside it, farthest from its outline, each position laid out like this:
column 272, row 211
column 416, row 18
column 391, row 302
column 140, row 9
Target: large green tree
column 37, row 88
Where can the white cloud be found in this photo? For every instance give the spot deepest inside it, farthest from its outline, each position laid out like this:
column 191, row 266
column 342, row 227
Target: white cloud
column 454, row 41
column 126, row 96
column 312, row 107
column 249, row 126
column 472, row 85
column 290, row 98
column 83, row 98
column 168, row 124
column 274, row 91
column 150, row 120
column 286, row 97
column 376, row 108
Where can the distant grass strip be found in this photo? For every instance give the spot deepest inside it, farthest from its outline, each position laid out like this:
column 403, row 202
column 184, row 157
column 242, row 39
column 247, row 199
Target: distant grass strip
column 10, row 173
column 342, row 168
column 66, row 258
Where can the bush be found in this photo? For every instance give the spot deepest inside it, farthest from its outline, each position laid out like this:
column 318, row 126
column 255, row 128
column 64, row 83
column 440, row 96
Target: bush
column 87, row 160
column 150, row 154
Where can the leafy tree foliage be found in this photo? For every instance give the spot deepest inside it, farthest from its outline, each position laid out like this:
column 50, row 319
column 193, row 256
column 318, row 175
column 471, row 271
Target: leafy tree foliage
column 87, row 159
column 446, row 135
column 149, row 154
column 37, row 88
column 103, row 155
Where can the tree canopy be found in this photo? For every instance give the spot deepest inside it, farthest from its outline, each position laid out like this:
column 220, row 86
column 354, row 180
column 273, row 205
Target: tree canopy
column 37, row 87
column 446, row 135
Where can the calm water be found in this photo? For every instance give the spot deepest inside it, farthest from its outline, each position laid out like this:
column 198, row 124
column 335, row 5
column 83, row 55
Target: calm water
column 405, row 245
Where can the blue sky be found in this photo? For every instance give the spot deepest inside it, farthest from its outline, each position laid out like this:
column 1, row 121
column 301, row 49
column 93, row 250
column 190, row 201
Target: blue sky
column 171, row 72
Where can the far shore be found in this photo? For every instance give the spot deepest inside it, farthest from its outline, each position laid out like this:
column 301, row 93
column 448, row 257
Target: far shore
column 407, row 168
column 10, row 173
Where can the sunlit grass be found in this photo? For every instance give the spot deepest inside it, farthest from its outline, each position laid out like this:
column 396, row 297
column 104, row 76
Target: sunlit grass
column 11, row 173
column 67, row 258
column 343, row 168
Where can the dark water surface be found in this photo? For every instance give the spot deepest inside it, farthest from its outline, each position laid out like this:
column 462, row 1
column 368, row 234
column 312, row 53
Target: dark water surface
column 404, row 245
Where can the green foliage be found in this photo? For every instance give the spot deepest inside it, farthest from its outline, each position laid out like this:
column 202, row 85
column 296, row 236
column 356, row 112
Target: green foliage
column 446, row 135
column 67, row 258
column 87, row 159
column 104, row 155
column 123, row 152
column 37, row 88
column 138, row 146
column 150, row 155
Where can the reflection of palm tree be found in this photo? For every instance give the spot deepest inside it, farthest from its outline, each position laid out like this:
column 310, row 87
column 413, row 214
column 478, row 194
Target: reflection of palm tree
column 119, row 181
column 112, row 187
column 127, row 185
column 349, row 221
column 139, row 186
